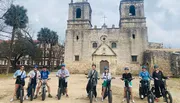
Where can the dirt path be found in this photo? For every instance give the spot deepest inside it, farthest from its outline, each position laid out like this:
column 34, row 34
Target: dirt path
column 77, row 93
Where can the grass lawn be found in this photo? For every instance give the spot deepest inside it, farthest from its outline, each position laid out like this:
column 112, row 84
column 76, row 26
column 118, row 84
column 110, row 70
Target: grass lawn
column 6, row 76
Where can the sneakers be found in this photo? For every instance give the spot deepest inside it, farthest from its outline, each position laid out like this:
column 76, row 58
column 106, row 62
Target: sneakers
column 102, row 99
column 12, row 99
column 27, row 97
column 133, row 101
column 35, row 96
column 95, row 99
column 50, row 96
column 156, row 100
column 67, row 95
column 142, row 96
column 124, row 100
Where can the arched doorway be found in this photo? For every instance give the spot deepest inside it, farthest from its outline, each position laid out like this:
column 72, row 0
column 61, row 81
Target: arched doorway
column 103, row 63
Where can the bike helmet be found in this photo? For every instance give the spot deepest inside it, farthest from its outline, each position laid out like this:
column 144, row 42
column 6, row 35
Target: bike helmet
column 144, row 67
column 35, row 66
column 126, row 68
column 106, row 68
column 156, row 66
column 63, row 65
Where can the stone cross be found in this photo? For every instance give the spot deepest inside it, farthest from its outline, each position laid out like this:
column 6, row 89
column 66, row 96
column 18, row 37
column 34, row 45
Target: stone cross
column 104, row 19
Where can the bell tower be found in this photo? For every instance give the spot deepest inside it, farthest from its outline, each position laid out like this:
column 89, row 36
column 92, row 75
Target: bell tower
column 132, row 13
column 79, row 14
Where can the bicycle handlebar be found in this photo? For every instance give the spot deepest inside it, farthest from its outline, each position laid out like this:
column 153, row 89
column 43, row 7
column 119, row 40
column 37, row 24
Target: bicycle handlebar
column 130, row 79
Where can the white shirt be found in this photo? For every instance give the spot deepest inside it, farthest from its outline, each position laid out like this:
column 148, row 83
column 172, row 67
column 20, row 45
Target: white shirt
column 106, row 76
column 64, row 73
column 31, row 74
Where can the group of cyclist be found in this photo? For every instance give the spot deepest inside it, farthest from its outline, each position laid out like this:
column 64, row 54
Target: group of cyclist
column 36, row 76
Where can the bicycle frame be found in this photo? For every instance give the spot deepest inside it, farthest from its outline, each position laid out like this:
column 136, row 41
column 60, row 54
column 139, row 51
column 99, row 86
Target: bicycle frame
column 61, row 84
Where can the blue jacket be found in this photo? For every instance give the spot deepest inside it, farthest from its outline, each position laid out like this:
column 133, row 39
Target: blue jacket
column 19, row 73
column 45, row 74
column 145, row 75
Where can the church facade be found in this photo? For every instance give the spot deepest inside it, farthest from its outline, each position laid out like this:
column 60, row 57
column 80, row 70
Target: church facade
column 115, row 47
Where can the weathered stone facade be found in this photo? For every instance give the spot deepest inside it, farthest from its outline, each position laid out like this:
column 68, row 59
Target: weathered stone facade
column 115, row 47
column 167, row 59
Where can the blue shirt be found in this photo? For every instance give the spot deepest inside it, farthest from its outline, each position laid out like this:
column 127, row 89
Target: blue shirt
column 45, row 74
column 18, row 73
column 144, row 75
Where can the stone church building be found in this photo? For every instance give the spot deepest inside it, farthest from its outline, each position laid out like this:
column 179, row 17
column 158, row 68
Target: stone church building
column 116, row 47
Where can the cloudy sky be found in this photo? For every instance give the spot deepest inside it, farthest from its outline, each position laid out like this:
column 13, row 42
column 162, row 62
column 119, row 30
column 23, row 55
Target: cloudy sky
column 163, row 17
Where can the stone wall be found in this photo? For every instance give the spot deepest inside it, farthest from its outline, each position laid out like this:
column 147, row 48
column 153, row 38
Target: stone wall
column 165, row 58
column 175, row 64
column 153, row 45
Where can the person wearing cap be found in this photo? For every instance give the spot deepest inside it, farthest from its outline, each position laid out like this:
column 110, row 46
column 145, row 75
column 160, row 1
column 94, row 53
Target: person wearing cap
column 34, row 76
column 105, row 76
column 93, row 74
column 144, row 77
column 44, row 76
column 20, row 76
column 158, row 77
column 63, row 73
column 128, row 76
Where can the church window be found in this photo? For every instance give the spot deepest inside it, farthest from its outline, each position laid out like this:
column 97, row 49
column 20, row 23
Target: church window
column 104, row 39
column 78, row 13
column 114, row 45
column 134, row 36
column 76, row 57
column 94, row 45
column 77, row 38
column 132, row 10
column 134, row 58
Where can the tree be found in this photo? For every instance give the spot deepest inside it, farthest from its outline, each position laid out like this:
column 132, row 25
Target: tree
column 16, row 17
column 43, row 38
column 53, row 40
column 22, row 46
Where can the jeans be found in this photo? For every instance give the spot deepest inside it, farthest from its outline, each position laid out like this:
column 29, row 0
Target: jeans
column 30, row 87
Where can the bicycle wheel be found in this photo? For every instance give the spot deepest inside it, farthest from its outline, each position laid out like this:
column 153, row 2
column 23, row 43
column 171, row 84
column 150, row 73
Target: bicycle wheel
column 110, row 97
column 105, row 94
column 32, row 94
column 168, row 97
column 140, row 93
column 21, row 95
column 18, row 93
column 43, row 94
column 128, row 96
column 150, row 98
column 59, row 93
column 91, row 96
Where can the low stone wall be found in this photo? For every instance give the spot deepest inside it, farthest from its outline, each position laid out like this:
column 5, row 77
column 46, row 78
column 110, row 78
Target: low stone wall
column 155, row 45
column 84, row 67
column 163, row 58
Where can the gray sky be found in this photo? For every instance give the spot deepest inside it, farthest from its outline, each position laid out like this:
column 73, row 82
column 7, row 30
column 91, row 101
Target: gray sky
column 163, row 17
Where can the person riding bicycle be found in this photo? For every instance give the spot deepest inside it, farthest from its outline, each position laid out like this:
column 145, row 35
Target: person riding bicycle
column 63, row 73
column 44, row 76
column 158, row 77
column 105, row 76
column 145, row 77
column 128, row 76
column 34, row 76
column 20, row 76
column 93, row 74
